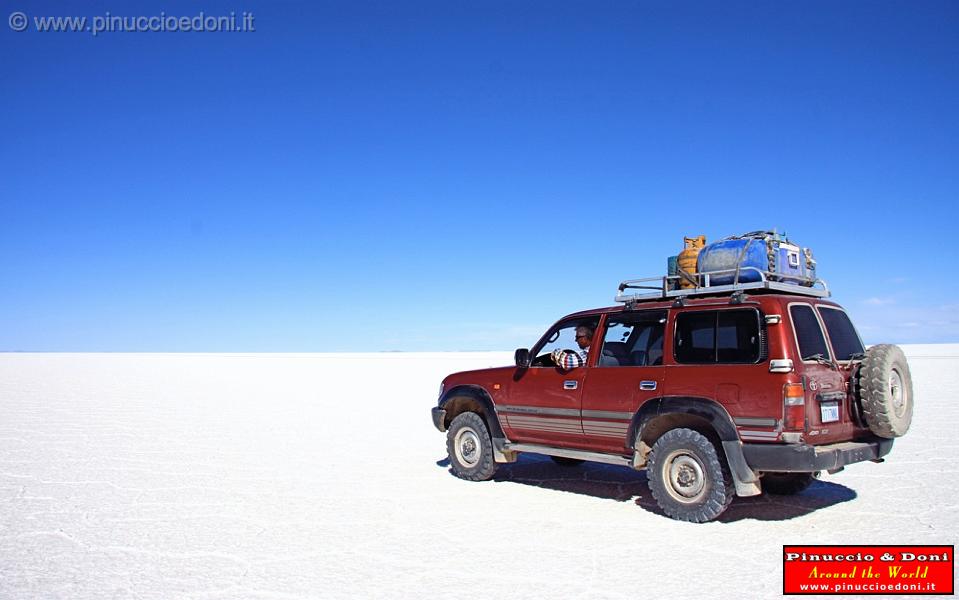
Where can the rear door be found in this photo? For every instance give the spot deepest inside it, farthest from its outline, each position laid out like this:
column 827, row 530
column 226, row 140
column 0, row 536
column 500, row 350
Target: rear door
column 628, row 371
column 847, row 347
column 827, row 410
column 720, row 354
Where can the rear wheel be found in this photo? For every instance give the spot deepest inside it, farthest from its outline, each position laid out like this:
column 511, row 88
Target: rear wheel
column 787, row 484
column 469, row 448
column 687, row 477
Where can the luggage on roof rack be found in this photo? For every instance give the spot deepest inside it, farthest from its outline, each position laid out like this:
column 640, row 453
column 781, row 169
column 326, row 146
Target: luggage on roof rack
column 758, row 281
column 765, row 252
column 758, row 261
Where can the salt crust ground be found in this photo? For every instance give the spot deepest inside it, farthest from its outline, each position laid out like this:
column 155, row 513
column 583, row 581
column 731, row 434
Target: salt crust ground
column 321, row 476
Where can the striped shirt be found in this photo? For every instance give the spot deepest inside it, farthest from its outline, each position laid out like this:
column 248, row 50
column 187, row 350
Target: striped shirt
column 569, row 359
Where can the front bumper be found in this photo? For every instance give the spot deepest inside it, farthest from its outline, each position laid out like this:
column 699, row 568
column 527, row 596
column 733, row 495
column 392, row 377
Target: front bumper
column 439, row 418
column 803, row 458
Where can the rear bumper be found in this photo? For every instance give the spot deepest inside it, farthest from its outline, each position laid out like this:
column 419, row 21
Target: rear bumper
column 439, row 418
column 803, row 458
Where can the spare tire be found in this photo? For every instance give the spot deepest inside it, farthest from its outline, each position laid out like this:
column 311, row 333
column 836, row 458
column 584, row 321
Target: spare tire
column 885, row 391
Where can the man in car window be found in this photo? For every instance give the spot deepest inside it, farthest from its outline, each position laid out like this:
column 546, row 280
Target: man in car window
column 570, row 359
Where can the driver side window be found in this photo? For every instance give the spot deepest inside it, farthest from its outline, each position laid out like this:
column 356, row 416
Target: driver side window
column 569, row 343
column 561, row 339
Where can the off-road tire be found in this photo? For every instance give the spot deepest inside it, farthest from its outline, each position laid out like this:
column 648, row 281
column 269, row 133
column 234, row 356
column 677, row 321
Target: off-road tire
column 567, row 462
column 469, row 448
column 885, row 391
column 688, row 478
column 787, row 484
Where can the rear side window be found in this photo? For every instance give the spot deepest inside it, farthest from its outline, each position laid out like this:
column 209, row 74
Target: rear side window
column 696, row 337
column 737, row 338
column 842, row 334
column 718, row 336
column 808, row 332
column 633, row 340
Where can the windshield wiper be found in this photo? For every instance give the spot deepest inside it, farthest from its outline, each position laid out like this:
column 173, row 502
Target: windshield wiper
column 819, row 358
column 857, row 356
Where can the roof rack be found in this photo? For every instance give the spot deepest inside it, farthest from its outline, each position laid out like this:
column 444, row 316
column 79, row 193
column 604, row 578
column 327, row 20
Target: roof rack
column 669, row 285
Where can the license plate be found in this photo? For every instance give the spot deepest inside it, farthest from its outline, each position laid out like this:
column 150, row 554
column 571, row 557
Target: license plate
column 830, row 412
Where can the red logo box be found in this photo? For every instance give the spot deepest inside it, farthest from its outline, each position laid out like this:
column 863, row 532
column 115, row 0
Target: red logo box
column 868, row 570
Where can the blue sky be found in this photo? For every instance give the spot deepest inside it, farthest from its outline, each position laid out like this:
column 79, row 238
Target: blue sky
column 458, row 175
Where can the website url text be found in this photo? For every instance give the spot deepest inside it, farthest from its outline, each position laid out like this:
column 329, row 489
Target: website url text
column 110, row 23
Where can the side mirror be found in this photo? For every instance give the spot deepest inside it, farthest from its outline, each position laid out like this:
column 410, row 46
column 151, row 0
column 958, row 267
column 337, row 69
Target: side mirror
column 521, row 357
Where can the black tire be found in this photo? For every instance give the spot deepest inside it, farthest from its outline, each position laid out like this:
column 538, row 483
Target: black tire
column 567, row 462
column 469, row 448
column 885, row 391
column 687, row 477
column 787, row 484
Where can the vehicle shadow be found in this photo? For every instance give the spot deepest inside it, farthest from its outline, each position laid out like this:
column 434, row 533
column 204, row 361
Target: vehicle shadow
column 769, row 507
column 590, row 479
column 623, row 484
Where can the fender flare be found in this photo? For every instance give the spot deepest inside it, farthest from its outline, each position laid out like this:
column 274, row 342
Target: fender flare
column 480, row 395
column 704, row 408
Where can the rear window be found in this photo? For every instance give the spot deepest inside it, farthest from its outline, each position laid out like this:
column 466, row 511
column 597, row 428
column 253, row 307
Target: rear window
column 845, row 340
column 808, row 332
column 718, row 336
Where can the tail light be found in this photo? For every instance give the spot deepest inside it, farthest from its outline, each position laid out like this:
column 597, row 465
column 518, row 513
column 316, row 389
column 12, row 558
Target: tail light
column 794, row 406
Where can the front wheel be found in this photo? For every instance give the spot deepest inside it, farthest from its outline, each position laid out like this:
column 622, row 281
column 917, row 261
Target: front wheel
column 469, row 448
column 687, row 477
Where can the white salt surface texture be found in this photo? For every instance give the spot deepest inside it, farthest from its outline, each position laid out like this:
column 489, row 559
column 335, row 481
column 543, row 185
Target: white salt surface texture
column 321, row 476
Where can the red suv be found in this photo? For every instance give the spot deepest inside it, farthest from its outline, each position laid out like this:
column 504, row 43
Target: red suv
column 717, row 392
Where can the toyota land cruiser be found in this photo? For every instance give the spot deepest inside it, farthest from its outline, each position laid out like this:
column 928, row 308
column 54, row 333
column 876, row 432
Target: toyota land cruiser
column 716, row 391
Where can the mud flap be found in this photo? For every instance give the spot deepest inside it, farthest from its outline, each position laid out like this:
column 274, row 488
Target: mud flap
column 500, row 453
column 746, row 480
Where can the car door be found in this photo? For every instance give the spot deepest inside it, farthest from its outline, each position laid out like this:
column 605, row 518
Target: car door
column 827, row 413
column 545, row 401
column 719, row 354
column 628, row 371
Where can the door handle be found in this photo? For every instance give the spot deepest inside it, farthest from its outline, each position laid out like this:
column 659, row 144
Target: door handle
column 647, row 385
column 570, row 385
